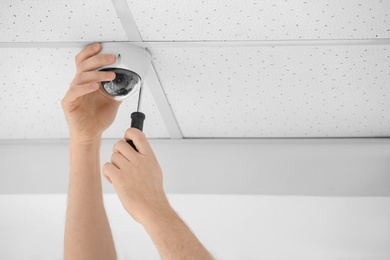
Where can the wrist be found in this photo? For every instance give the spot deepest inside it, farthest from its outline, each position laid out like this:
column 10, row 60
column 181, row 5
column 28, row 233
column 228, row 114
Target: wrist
column 85, row 140
column 158, row 217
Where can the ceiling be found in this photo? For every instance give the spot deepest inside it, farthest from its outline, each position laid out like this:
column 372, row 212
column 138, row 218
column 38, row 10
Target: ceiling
column 221, row 69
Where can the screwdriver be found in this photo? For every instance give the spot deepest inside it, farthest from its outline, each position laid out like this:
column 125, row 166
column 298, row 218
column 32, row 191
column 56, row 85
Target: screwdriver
column 137, row 119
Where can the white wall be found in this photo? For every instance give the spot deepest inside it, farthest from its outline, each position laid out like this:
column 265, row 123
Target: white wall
column 220, row 188
column 232, row 227
column 331, row 167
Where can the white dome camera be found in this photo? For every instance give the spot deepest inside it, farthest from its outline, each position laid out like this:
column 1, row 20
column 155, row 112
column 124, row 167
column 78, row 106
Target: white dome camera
column 131, row 67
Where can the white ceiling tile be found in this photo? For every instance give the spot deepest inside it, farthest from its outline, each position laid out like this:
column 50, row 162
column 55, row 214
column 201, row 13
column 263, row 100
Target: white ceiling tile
column 59, row 21
column 33, row 83
column 261, row 20
column 154, row 126
column 305, row 91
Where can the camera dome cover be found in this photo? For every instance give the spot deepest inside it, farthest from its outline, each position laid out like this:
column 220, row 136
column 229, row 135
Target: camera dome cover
column 125, row 83
column 131, row 67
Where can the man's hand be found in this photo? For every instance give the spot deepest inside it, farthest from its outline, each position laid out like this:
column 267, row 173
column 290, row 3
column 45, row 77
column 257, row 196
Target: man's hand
column 138, row 181
column 88, row 112
column 137, row 177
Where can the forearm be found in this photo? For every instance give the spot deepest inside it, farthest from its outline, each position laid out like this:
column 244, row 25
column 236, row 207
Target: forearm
column 87, row 231
column 172, row 237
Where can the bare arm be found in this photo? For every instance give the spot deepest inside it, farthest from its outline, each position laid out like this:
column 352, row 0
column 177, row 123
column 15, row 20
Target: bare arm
column 138, row 180
column 88, row 114
column 87, row 231
column 172, row 237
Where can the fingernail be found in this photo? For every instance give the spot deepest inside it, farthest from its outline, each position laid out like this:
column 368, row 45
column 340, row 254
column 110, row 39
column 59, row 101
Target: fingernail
column 112, row 74
column 96, row 46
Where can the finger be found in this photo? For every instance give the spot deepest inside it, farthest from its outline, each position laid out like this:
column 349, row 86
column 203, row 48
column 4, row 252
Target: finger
column 110, row 171
column 87, row 52
column 139, row 140
column 125, row 150
column 107, row 178
column 119, row 160
column 96, row 62
column 93, row 76
column 80, row 90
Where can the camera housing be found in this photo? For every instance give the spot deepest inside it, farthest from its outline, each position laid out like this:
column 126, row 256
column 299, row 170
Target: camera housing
column 131, row 67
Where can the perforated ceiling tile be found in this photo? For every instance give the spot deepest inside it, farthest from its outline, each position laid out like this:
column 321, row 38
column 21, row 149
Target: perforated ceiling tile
column 33, row 83
column 154, row 127
column 261, row 20
column 59, row 21
column 339, row 91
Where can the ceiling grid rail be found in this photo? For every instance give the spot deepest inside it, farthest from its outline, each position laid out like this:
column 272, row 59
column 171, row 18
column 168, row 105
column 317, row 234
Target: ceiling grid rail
column 202, row 44
column 155, row 87
column 162, row 104
column 127, row 20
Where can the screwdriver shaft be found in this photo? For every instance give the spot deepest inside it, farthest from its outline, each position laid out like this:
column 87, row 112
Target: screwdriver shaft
column 139, row 98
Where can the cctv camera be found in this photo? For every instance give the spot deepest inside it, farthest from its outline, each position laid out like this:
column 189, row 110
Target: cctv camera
column 131, row 67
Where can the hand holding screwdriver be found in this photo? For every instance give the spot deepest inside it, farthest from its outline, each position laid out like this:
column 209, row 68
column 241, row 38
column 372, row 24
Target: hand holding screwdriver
column 137, row 119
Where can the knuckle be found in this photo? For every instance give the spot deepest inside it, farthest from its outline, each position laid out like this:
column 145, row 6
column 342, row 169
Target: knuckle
column 80, row 77
column 106, row 166
column 63, row 103
column 72, row 90
column 127, row 134
column 80, row 67
column 77, row 58
column 75, row 79
column 122, row 142
column 116, row 146
column 73, row 82
column 114, row 156
column 139, row 134
column 134, row 132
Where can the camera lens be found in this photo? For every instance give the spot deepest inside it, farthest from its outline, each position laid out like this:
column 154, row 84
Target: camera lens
column 123, row 84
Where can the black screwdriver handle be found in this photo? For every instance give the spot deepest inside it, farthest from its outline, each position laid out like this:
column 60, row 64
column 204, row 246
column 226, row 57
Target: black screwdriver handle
column 137, row 121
